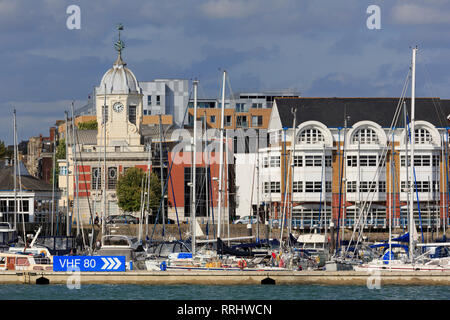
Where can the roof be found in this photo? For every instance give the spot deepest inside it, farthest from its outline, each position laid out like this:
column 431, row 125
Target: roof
column 84, row 137
column 332, row 111
column 29, row 183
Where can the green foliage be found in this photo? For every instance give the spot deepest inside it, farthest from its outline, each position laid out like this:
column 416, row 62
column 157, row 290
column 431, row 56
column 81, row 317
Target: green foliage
column 129, row 188
column 88, row 125
column 59, row 154
column 61, row 149
column 4, row 152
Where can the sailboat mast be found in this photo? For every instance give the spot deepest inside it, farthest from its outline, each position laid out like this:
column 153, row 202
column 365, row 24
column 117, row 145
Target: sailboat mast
column 53, row 182
column 161, row 163
column 411, row 207
column 74, row 150
column 105, row 110
column 294, row 113
column 221, row 155
column 67, row 175
column 206, row 171
column 194, row 162
column 15, row 174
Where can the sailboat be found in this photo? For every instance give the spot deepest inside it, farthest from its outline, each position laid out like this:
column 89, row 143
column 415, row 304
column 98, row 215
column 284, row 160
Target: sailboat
column 407, row 258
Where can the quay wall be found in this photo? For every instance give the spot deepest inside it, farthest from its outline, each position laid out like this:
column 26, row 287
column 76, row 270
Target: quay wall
column 230, row 277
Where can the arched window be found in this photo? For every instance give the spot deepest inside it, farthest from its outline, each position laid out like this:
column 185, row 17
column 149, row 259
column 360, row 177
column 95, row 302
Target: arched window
column 311, row 136
column 366, row 136
column 422, row 136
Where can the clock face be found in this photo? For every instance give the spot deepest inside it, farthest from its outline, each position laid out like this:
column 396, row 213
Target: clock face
column 118, row 107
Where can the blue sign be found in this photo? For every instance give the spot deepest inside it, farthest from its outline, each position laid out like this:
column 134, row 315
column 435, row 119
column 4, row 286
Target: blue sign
column 89, row 263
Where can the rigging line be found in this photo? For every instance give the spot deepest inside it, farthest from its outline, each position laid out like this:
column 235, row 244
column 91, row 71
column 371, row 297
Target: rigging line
column 18, row 205
column 340, row 189
column 427, row 74
column 447, row 180
column 415, row 186
column 78, row 190
column 85, row 186
column 381, row 164
column 364, row 212
column 163, row 137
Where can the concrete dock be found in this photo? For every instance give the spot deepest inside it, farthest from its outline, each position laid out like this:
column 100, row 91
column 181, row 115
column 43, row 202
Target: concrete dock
column 228, row 277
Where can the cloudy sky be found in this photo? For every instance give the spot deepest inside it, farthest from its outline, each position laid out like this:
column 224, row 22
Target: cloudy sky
column 320, row 48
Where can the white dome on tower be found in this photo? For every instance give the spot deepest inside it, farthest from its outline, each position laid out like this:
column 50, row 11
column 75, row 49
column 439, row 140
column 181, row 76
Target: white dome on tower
column 119, row 80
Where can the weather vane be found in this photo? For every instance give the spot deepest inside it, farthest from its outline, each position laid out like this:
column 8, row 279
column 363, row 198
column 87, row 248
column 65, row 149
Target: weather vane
column 119, row 45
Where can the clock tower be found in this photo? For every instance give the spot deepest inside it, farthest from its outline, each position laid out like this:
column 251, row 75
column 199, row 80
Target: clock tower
column 119, row 107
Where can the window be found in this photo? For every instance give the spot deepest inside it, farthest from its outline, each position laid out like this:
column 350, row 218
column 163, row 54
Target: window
column 403, row 161
column 351, row 186
column 352, row 161
column 313, row 161
column 257, row 105
column 228, row 121
column 96, row 178
column 112, row 177
column 364, row 186
column 328, row 161
column 275, row 161
column 298, row 161
column 327, row 186
column 149, row 100
column 422, row 186
column 311, row 136
column 158, row 100
column 368, row 161
column 3, row 206
column 297, row 186
column 313, row 186
column 420, row 160
column 381, row 186
column 265, row 162
column 422, row 136
column 240, row 107
column 132, row 114
column 257, row 121
column 241, row 121
column 105, row 114
column 366, row 136
column 436, row 159
column 212, row 119
column 62, row 170
column 272, row 186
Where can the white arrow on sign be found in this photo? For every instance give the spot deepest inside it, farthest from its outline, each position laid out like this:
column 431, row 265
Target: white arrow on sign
column 118, row 264
column 110, row 263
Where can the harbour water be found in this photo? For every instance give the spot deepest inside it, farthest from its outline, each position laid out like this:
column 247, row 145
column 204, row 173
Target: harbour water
column 213, row 292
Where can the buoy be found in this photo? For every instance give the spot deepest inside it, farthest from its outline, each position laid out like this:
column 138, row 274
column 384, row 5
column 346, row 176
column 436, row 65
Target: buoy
column 242, row 263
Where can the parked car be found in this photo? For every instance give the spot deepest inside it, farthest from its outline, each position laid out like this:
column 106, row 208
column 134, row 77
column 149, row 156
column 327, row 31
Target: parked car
column 122, row 219
column 152, row 219
column 248, row 219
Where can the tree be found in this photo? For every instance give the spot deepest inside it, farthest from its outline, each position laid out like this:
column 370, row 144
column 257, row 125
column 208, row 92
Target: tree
column 59, row 154
column 5, row 152
column 88, row 125
column 129, row 189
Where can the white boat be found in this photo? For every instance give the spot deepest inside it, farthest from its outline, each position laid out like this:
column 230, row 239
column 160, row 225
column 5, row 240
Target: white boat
column 25, row 262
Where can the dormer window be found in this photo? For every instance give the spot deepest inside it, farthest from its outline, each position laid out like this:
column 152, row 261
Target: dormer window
column 366, row 136
column 311, row 136
column 422, row 136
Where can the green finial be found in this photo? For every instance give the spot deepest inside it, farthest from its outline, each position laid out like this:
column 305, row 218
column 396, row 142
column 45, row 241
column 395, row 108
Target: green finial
column 119, row 45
